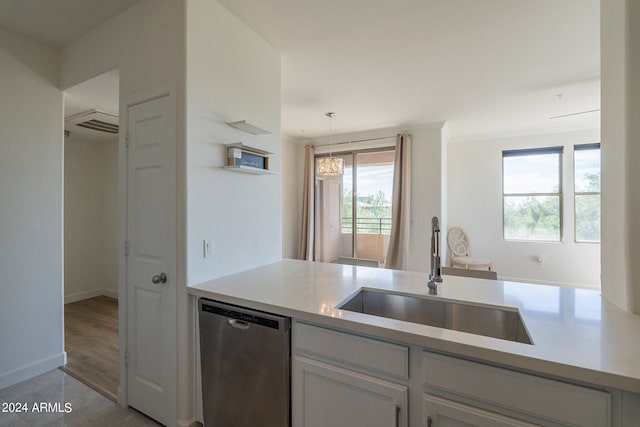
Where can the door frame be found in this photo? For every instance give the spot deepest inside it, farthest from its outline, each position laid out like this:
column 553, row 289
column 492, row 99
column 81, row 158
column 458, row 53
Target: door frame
column 169, row 91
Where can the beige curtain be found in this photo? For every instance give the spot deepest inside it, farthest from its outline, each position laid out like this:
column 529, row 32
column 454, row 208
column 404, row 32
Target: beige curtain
column 398, row 252
column 306, row 235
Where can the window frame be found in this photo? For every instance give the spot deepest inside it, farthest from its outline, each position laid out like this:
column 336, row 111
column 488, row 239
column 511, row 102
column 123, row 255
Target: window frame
column 580, row 147
column 559, row 150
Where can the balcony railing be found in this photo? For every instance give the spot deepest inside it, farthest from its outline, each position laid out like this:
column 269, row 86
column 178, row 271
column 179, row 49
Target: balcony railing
column 367, row 225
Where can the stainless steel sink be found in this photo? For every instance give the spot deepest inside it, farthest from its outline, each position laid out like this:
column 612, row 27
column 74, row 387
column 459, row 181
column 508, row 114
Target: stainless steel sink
column 498, row 322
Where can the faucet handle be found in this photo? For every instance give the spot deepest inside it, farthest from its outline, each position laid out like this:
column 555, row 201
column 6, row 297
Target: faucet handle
column 433, row 287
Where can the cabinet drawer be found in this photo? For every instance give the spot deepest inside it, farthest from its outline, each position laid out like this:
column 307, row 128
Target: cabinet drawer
column 352, row 350
column 547, row 399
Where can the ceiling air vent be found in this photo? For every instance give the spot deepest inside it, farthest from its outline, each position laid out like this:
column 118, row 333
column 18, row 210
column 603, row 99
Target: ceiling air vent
column 94, row 124
column 99, row 125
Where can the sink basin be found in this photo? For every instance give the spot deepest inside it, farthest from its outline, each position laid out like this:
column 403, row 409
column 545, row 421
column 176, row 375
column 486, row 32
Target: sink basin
column 497, row 322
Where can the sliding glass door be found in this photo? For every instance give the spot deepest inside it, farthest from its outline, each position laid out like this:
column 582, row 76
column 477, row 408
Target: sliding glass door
column 353, row 211
column 330, row 240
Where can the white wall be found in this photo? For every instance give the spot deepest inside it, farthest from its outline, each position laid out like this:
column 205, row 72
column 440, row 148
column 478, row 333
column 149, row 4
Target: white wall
column 145, row 42
column 147, row 45
column 110, row 210
column 232, row 74
column 444, row 186
column 620, row 87
column 475, row 204
column 426, row 193
column 31, row 136
column 633, row 154
column 90, row 218
column 426, row 186
column 292, row 181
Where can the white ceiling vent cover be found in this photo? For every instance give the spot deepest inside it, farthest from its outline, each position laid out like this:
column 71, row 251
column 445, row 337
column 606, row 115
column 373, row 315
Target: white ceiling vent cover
column 94, row 124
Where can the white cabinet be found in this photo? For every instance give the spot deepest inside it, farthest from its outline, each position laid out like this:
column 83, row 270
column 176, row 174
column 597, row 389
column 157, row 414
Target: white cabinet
column 342, row 379
column 328, row 396
column 555, row 402
column 439, row 412
column 368, row 355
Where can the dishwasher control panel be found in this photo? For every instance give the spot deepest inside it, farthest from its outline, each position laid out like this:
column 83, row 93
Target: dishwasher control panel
column 238, row 315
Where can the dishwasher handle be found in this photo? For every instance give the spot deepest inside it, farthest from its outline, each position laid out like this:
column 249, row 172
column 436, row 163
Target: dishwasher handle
column 238, row 324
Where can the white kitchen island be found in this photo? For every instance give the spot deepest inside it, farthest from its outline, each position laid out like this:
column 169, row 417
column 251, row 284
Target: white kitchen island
column 585, row 352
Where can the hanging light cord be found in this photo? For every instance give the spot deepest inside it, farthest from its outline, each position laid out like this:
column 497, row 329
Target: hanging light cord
column 331, row 116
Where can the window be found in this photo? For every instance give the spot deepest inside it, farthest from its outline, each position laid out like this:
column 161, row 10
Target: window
column 532, row 196
column 353, row 211
column 587, row 192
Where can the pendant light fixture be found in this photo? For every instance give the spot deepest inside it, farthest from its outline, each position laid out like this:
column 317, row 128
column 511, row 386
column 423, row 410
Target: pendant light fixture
column 330, row 166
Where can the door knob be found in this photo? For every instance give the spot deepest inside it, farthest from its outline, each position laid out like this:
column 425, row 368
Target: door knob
column 159, row 278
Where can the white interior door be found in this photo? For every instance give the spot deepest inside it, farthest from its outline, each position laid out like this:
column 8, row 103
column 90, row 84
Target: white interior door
column 151, row 266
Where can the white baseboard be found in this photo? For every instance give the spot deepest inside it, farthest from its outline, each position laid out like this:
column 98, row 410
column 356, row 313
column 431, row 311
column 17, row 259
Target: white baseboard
column 27, row 372
column 79, row 296
column 110, row 293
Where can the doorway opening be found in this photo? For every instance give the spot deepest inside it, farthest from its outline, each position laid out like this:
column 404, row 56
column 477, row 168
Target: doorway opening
column 91, row 229
column 353, row 210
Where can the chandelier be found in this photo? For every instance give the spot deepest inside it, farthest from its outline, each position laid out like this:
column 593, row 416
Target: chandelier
column 330, row 166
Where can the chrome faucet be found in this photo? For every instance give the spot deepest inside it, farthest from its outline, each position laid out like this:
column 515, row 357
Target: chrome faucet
column 434, row 276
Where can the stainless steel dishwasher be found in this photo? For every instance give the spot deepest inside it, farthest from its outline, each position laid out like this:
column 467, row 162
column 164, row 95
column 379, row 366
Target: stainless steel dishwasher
column 245, row 356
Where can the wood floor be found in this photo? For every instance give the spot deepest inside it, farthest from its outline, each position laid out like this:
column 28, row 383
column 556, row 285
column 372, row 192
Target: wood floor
column 91, row 342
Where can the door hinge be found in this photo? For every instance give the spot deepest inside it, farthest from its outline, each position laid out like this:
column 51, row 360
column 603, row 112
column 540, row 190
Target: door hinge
column 126, row 140
column 126, row 357
column 126, row 248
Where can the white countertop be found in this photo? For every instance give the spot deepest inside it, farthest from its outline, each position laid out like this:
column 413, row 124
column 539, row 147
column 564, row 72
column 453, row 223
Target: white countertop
column 576, row 334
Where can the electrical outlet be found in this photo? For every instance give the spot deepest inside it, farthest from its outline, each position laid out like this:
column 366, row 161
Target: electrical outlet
column 207, row 249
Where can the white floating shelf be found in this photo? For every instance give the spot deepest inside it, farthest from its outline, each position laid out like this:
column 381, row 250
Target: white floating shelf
column 249, row 128
column 249, row 169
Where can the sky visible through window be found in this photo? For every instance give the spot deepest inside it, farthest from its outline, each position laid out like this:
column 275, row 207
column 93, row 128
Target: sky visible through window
column 587, row 164
column 587, row 194
column 371, row 180
column 531, row 174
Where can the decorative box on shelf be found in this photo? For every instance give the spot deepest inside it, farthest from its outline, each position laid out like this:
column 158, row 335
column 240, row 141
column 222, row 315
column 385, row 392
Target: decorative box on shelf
column 242, row 158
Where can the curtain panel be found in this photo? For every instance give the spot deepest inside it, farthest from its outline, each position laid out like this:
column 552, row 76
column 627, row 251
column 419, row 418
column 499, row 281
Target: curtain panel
column 306, row 234
column 398, row 252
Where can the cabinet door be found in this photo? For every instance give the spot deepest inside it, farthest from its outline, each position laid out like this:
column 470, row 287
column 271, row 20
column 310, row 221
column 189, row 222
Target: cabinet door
column 438, row 412
column 327, row 396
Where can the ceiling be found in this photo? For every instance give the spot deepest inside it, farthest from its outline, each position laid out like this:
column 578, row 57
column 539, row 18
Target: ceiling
column 99, row 93
column 58, row 22
column 489, row 68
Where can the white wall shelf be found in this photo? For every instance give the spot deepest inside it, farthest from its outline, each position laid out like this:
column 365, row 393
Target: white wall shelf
column 249, row 169
column 249, row 128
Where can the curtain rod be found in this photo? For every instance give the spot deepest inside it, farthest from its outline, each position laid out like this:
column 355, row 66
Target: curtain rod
column 358, row 140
